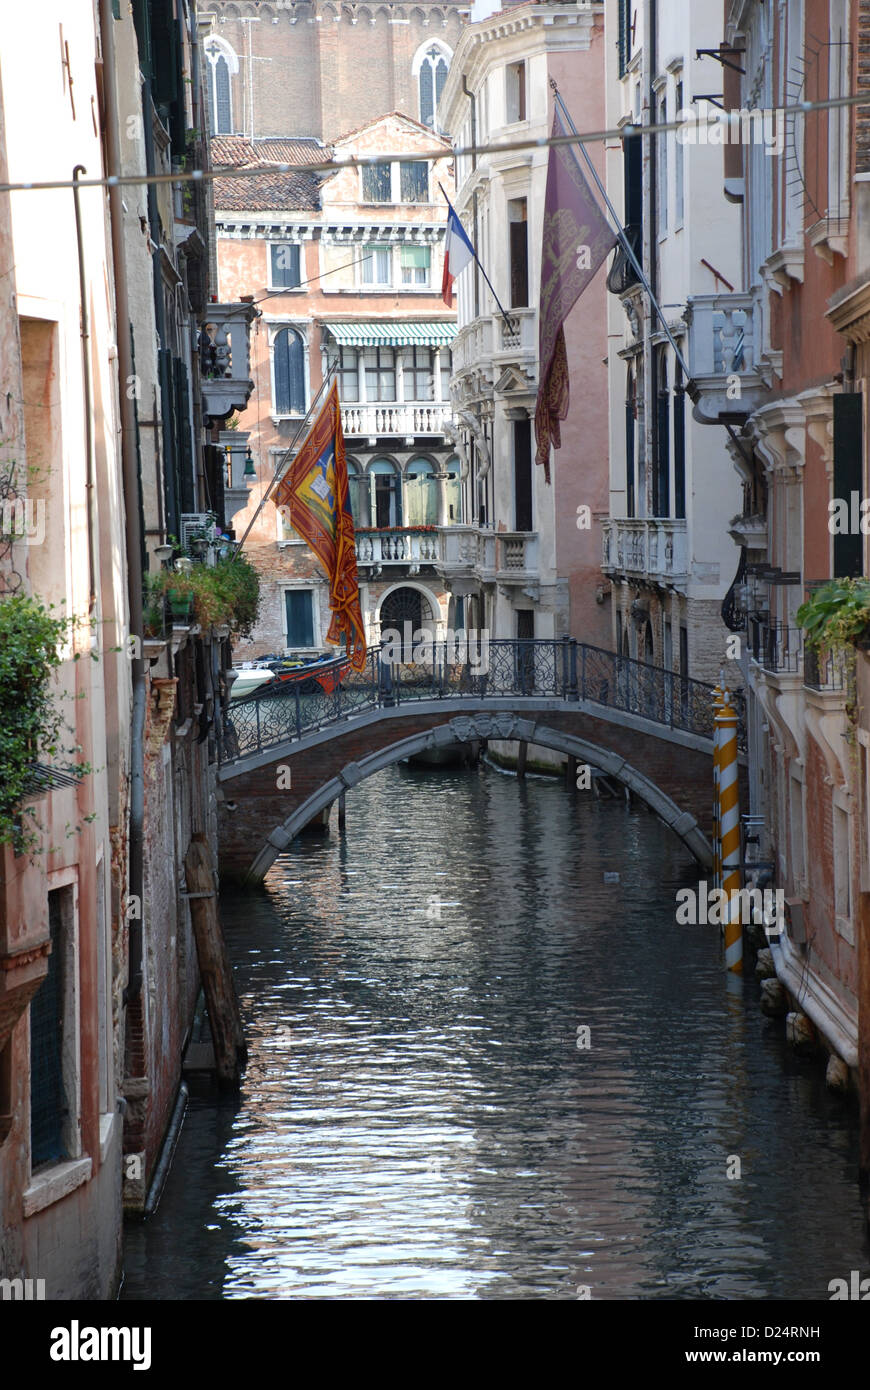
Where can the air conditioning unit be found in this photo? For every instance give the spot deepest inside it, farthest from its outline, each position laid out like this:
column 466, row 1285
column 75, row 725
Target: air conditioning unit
column 192, row 522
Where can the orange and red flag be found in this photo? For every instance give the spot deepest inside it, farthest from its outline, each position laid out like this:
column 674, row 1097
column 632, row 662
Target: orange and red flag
column 314, row 491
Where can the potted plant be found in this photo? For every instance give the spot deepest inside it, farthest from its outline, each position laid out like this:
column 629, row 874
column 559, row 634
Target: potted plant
column 837, row 615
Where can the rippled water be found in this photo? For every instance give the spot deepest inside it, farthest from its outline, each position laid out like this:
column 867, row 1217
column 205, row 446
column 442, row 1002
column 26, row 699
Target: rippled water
column 417, row 1119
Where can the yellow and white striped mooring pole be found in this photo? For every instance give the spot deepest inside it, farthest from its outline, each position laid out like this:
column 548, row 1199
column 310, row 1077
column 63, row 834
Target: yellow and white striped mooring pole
column 729, row 831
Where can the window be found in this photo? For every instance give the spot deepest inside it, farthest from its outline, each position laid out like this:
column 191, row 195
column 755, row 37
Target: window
column 284, row 267
column 386, row 494
column 679, row 166
column 418, row 375
column 348, row 374
column 445, row 375
column 842, row 878
column 299, row 609
column 414, row 181
column 421, row 493
column 662, row 166
column 49, row 1100
column 431, row 78
column 625, row 35
column 523, row 475
column 414, row 261
column 376, row 268
column 380, row 367
column 630, row 406
column 221, row 63
column 376, row 183
column 519, row 252
column 661, row 477
column 288, row 363
column 679, row 443
column 515, row 92
column 848, row 451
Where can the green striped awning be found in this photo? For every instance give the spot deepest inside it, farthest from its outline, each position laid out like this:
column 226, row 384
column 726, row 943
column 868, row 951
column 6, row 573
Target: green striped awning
column 394, row 334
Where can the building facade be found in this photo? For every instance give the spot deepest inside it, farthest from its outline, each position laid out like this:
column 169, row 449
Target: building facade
column 118, row 369
column 294, row 68
column 347, row 274
column 666, row 551
column 799, row 444
column 536, row 573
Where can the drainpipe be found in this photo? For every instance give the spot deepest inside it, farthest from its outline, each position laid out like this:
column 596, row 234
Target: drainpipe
column 133, row 521
column 88, row 391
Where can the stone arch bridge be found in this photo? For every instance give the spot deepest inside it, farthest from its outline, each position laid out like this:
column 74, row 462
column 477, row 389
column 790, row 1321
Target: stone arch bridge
column 286, row 756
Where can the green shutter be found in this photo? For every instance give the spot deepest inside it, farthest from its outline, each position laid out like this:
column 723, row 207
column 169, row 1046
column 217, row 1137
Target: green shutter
column 416, row 256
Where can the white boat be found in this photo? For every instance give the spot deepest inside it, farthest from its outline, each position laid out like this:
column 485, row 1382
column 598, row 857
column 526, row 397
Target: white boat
column 247, row 681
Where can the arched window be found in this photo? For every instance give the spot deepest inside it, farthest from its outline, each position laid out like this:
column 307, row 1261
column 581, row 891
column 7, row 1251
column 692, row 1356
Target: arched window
column 358, row 499
column 421, row 493
column 221, row 64
column 288, row 367
column 430, row 68
column 386, row 494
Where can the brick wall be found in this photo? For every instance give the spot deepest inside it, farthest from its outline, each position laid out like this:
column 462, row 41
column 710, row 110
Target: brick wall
column 261, row 806
column 324, row 69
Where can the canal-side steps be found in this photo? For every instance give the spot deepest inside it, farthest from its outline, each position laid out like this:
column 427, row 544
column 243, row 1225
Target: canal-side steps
column 284, row 757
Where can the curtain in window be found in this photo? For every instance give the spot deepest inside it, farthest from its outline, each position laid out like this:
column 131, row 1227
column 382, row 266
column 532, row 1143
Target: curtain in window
column 421, row 494
column 414, row 261
column 375, row 266
column 289, row 373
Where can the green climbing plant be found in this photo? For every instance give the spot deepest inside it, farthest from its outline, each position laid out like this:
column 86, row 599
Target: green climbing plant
column 31, row 718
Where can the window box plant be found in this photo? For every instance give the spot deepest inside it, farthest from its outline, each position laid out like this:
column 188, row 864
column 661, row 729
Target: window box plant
column 836, row 616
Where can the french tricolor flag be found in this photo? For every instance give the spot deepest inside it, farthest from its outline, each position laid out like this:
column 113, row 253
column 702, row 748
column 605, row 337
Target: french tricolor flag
column 458, row 252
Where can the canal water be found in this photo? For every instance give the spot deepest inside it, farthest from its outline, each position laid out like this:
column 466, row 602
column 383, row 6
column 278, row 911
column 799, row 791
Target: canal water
column 417, row 1119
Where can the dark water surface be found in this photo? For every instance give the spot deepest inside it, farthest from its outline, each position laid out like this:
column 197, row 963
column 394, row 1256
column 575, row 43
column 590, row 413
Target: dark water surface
column 417, row 1119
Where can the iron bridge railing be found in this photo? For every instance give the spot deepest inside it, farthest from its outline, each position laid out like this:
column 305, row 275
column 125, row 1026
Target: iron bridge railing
column 534, row 669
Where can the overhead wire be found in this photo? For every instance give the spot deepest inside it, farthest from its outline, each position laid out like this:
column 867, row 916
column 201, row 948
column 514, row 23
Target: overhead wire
column 627, row 131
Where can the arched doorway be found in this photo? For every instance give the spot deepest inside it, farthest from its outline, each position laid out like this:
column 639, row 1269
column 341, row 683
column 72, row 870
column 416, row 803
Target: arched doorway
column 405, row 611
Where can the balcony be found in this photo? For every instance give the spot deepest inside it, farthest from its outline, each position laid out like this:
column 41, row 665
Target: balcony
column 404, row 418
column 225, row 359
column 234, row 444
column 775, row 647
column 472, row 346
column 490, row 341
column 724, row 343
column 405, row 545
column 653, row 549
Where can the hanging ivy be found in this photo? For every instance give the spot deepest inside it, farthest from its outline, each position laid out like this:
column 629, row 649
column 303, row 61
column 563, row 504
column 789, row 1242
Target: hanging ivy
column 31, row 720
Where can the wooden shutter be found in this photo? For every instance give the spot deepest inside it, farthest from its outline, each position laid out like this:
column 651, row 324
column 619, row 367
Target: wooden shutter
column 848, row 473
column 281, row 351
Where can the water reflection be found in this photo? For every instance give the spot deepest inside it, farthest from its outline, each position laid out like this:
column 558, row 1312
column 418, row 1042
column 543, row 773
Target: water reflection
column 417, row 1119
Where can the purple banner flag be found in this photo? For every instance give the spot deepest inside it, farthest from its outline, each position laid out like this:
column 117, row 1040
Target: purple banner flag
column 576, row 240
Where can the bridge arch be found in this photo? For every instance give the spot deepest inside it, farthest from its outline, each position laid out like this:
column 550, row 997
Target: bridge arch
column 464, row 729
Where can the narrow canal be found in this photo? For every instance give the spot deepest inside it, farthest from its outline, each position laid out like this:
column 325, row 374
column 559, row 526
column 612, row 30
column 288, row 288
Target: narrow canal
column 417, row 1119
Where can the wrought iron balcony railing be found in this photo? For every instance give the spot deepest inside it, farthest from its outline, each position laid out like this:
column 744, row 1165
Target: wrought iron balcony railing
column 776, row 647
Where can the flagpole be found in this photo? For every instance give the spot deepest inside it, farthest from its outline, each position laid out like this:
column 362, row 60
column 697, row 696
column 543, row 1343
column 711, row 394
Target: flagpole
column 330, row 372
column 511, row 326
column 623, row 239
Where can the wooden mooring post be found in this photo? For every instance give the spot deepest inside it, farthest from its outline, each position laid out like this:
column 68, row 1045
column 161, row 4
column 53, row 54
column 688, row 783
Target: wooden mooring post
column 216, row 972
column 522, row 753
